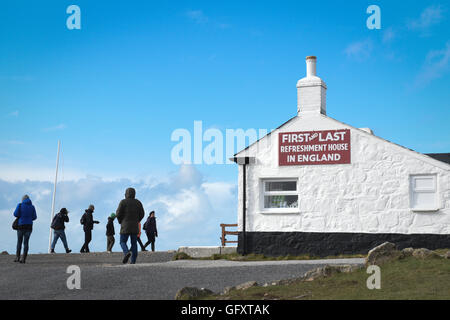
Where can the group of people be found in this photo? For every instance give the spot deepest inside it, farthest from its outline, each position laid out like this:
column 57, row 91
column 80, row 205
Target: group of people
column 129, row 214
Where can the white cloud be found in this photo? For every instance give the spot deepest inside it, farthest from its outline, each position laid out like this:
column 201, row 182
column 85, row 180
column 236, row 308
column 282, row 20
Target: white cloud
column 359, row 50
column 197, row 16
column 388, row 35
column 436, row 64
column 430, row 16
column 189, row 210
column 23, row 172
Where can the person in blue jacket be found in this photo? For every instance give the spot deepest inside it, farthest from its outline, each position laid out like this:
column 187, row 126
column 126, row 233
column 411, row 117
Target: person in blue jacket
column 26, row 213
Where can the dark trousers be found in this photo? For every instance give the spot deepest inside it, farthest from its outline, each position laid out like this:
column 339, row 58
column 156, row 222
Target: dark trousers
column 110, row 243
column 87, row 239
column 123, row 244
column 150, row 239
column 23, row 236
column 153, row 244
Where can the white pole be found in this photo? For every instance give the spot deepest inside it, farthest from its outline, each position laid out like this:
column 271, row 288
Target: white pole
column 54, row 197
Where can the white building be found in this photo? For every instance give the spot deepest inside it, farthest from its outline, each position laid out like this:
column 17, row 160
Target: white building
column 319, row 186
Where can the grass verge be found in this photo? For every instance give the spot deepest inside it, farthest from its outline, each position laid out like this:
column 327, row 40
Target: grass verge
column 408, row 278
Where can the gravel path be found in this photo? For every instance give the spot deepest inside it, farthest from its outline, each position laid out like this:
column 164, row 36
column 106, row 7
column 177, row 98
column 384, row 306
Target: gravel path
column 155, row 276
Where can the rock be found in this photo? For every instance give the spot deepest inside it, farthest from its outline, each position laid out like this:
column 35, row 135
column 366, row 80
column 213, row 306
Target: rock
column 424, row 253
column 329, row 270
column 407, row 252
column 383, row 253
column 189, row 293
column 446, row 255
column 228, row 289
column 5, row 253
column 246, row 285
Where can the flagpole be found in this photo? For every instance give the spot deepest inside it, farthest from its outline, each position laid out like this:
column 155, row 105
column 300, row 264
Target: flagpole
column 54, row 197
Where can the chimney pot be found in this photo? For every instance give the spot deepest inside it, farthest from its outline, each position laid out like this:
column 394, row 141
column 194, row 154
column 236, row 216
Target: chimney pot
column 311, row 91
column 311, row 66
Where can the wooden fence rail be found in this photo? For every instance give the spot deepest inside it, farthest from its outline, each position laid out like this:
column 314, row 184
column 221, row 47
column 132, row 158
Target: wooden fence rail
column 225, row 233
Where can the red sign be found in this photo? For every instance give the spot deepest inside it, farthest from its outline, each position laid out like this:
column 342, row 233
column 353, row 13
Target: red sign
column 314, row 147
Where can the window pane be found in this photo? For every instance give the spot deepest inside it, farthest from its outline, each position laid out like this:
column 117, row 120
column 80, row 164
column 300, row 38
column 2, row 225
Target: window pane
column 281, row 201
column 424, row 200
column 281, row 185
column 424, row 183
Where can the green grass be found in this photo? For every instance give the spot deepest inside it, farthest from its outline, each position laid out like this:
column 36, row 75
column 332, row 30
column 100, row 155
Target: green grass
column 261, row 257
column 408, row 278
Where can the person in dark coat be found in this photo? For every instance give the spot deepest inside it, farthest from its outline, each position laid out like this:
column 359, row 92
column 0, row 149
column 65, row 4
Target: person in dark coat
column 110, row 232
column 58, row 229
column 129, row 213
column 26, row 213
column 150, row 230
column 87, row 220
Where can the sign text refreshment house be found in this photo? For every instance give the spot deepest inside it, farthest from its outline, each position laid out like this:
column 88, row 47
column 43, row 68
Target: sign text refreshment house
column 314, row 147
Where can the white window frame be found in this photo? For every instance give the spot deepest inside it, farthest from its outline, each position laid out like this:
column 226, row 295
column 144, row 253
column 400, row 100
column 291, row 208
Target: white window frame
column 264, row 193
column 413, row 191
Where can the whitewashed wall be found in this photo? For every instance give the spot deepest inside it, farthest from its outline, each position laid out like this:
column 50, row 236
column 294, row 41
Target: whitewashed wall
column 370, row 195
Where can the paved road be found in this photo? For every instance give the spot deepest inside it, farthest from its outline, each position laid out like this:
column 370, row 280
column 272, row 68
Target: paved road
column 155, row 276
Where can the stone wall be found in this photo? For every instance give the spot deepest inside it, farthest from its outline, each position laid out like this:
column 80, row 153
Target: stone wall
column 332, row 244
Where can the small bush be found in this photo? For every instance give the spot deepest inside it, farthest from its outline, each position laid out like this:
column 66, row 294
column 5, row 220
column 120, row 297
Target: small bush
column 181, row 256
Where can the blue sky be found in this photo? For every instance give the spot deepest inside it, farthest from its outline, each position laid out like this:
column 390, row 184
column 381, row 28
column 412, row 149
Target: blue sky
column 115, row 90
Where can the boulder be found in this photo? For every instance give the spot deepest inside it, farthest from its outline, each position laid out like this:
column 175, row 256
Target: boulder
column 446, row 255
column 228, row 289
column 407, row 252
column 246, row 285
column 383, row 253
column 424, row 253
column 189, row 293
column 5, row 253
column 329, row 270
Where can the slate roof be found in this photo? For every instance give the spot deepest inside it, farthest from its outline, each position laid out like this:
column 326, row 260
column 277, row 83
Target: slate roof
column 444, row 157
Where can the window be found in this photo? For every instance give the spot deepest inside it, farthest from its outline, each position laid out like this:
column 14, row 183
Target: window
column 423, row 192
column 280, row 194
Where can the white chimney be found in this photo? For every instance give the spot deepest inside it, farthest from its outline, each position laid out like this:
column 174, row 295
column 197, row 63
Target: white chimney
column 311, row 91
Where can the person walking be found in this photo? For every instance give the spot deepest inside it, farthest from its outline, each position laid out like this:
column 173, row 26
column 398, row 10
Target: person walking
column 110, row 232
column 139, row 239
column 150, row 230
column 129, row 213
column 26, row 214
column 58, row 229
column 87, row 220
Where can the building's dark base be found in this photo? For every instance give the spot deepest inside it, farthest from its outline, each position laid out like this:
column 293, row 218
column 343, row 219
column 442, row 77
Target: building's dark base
column 327, row 244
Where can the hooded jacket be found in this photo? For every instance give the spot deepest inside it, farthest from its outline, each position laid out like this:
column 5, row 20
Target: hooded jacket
column 129, row 213
column 26, row 212
column 60, row 218
column 110, row 227
column 89, row 221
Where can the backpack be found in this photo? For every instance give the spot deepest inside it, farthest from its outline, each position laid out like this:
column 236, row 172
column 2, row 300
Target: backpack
column 55, row 221
column 15, row 224
column 83, row 219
